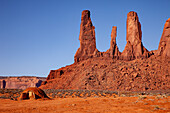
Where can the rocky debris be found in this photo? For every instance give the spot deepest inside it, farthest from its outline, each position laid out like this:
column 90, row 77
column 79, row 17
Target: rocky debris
column 107, row 74
column 164, row 44
column 20, row 82
column 113, row 50
column 86, row 37
column 134, row 47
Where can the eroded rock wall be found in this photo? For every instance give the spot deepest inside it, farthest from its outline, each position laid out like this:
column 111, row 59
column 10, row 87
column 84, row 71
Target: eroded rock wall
column 20, row 82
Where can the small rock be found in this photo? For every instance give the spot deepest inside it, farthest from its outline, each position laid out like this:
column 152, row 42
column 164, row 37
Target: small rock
column 73, row 104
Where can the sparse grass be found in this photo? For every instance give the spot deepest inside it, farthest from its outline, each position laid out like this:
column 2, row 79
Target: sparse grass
column 101, row 93
column 62, row 93
column 12, row 94
column 160, row 96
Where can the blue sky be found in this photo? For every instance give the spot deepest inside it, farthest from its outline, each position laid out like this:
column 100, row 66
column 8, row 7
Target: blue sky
column 39, row 35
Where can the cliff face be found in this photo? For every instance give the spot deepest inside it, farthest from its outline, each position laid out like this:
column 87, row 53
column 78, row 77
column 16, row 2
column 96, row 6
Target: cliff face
column 86, row 37
column 164, row 44
column 88, row 41
column 134, row 47
column 134, row 69
column 20, row 82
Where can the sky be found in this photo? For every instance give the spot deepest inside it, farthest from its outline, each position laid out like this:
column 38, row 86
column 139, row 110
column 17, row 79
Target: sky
column 37, row 36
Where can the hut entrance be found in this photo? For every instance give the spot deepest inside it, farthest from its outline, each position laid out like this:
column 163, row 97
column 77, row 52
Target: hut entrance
column 28, row 95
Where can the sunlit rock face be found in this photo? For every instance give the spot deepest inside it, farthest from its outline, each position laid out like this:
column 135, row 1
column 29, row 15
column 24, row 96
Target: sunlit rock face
column 113, row 51
column 86, row 37
column 164, row 44
column 88, row 41
column 134, row 47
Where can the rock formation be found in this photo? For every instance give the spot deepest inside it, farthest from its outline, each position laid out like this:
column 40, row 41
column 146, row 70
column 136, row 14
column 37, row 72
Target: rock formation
column 134, row 47
column 113, row 50
column 20, row 82
column 113, row 70
column 86, row 37
column 102, row 73
column 164, row 44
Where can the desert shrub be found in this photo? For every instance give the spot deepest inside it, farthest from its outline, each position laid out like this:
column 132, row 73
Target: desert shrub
column 88, row 94
column 4, row 97
column 141, row 97
column 156, row 107
column 101, row 93
column 96, row 92
column 60, row 95
column 53, row 95
column 71, row 93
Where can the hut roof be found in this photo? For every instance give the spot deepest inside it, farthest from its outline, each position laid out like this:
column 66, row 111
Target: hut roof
column 39, row 93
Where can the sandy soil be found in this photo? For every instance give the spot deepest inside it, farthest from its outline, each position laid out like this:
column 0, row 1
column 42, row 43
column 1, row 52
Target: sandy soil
column 88, row 105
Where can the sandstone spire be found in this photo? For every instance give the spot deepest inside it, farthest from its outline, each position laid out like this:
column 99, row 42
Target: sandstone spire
column 134, row 47
column 86, row 37
column 164, row 44
column 113, row 50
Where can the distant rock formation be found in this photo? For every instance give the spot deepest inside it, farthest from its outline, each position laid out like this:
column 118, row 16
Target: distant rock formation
column 134, row 47
column 164, row 44
column 20, row 82
column 86, row 37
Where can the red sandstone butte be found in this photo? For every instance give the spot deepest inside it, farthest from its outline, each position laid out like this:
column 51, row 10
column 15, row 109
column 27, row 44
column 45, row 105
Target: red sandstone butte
column 164, row 44
column 86, row 37
column 134, row 47
column 88, row 41
column 135, row 69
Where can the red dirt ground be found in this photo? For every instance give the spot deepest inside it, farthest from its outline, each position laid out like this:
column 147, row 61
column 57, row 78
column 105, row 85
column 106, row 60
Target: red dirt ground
column 144, row 104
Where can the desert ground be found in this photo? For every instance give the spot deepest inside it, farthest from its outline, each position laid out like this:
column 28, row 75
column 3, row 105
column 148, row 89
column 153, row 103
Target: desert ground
column 140, row 104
